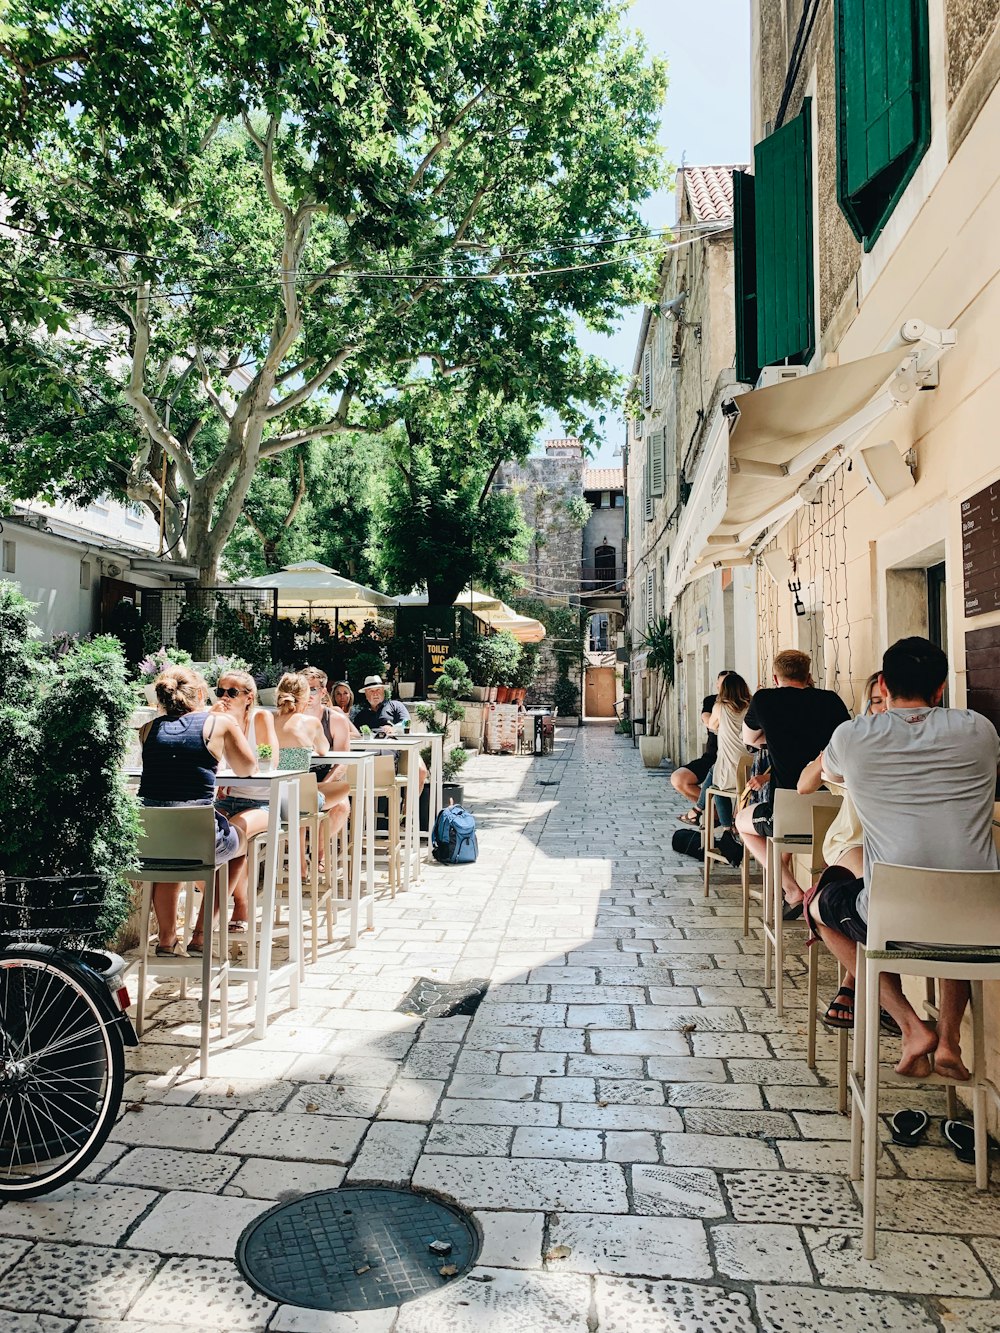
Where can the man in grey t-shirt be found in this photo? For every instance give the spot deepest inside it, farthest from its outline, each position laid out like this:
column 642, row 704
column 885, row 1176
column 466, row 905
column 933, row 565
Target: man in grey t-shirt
column 923, row 781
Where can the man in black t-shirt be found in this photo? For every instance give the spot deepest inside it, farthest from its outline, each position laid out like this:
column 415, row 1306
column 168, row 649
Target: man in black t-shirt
column 385, row 717
column 795, row 721
column 690, row 777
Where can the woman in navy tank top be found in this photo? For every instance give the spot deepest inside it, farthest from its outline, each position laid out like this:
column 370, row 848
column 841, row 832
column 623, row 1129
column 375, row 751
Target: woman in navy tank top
column 180, row 755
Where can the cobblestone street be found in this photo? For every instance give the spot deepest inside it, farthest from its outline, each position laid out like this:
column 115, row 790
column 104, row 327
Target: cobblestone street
column 636, row 1133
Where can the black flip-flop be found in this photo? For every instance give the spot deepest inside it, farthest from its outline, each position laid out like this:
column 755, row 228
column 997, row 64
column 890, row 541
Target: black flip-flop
column 840, row 1023
column 909, row 1127
column 962, row 1137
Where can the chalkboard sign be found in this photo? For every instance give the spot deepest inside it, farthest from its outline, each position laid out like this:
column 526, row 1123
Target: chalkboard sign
column 981, row 551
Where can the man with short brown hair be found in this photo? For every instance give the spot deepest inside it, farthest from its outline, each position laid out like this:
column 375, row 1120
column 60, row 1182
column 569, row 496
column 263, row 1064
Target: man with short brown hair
column 795, row 720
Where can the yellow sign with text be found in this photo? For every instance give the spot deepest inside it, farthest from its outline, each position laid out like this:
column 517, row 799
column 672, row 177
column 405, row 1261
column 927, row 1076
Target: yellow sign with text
column 436, row 653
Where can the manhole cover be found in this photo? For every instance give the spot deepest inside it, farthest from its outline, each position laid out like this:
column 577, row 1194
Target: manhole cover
column 443, row 999
column 356, row 1249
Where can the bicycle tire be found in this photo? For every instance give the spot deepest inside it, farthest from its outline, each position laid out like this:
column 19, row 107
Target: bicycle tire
column 62, row 1072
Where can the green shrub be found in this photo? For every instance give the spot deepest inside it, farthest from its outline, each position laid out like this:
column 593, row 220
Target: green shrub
column 66, row 809
column 566, row 697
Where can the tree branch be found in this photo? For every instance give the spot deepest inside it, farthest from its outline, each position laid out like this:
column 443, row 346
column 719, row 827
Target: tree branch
column 444, row 139
column 299, row 494
column 306, row 391
column 266, row 146
column 136, row 396
column 206, row 384
column 489, row 482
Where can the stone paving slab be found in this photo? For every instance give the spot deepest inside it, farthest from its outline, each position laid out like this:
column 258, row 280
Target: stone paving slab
column 635, row 1131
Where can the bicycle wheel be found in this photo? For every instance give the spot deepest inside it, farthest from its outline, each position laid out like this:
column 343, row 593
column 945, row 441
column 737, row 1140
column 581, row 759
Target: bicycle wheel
column 62, row 1070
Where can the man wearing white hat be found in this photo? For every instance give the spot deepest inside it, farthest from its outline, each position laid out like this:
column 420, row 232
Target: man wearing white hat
column 385, row 717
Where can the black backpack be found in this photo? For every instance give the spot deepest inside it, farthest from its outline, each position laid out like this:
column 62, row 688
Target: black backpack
column 687, row 841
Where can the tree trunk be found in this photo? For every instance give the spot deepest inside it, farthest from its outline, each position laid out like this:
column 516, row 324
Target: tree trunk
column 443, row 587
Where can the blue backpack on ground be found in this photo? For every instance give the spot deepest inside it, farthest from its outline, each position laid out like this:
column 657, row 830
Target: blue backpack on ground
column 453, row 840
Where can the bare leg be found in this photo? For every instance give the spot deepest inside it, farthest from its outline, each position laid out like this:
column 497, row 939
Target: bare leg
column 165, row 899
column 919, row 1038
column 422, row 776
column 954, row 996
column 237, row 874
column 684, row 781
column 789, row 884
column 756, row 845
column 248, row 823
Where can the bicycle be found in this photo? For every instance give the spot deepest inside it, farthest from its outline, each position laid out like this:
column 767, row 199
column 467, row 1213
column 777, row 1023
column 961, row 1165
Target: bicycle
column 63, row 1033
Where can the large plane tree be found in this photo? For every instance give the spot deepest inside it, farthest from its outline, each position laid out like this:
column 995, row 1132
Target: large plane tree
column 273, row 221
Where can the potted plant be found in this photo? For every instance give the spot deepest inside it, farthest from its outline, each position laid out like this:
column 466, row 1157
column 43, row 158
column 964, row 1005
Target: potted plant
column 194, row 625
column 453, row 682
column 526, row 670
column 658, row 642
column 152, row 666
column 219, row 666
column 267, row 675
column 566, row 698
column 505, row 652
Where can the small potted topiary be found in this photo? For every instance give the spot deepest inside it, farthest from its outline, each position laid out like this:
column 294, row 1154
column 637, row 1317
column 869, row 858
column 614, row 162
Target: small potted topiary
column 453, row 682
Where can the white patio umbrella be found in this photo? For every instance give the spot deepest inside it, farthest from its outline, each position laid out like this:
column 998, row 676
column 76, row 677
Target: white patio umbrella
column 308, row 584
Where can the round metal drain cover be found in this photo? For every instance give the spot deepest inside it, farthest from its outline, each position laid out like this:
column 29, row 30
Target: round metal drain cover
column 356, row 1249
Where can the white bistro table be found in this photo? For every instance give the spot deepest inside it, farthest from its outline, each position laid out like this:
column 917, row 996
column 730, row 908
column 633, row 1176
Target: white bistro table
column 363, row 762
column 409, row 747
column 271, row 787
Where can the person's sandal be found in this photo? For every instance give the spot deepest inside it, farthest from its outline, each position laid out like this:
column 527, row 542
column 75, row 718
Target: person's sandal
column 692, row 817
column 175, row 950
column 196, row 950
column 844, row 1015
column 909, row 1127
column 238, row 927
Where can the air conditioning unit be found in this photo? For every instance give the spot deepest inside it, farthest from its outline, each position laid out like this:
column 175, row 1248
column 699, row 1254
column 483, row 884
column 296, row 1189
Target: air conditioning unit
column 772, row 375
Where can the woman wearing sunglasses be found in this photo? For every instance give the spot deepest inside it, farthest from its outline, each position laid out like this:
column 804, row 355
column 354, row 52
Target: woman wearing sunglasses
column 236, row 699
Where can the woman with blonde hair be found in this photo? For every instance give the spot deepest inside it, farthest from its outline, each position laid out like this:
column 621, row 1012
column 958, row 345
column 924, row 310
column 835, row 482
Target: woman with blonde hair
column 299, row 734
column 343, row 699
column 181, row 751
column 236, row 697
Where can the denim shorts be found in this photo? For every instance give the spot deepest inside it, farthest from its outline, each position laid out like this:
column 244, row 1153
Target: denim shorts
column 236, row 805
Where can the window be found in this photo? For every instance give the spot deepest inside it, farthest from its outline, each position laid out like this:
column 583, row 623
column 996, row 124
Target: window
column 605, row 501
column 647, row 378
column 619, row 500
column 650, row 598
column 774, row 250
column 637, row 428
column 657, row 462
column 883, row 107
column 9, row 560
column 647, row 492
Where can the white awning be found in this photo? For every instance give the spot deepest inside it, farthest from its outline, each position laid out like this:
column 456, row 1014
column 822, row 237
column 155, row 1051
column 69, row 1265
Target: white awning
column 769, row 450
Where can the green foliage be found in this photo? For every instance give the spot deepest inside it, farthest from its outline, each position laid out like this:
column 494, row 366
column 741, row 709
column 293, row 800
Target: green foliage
column 506, row 658
column 152, row 666
column 566, row 698
column 437, row 524
column 564, row 630
column 194, row 625
column 577, row 511
column 453, row 684
column 202, row 184
column 242, row 631
column 527, row 667
column 66, row 810
column 658, row 641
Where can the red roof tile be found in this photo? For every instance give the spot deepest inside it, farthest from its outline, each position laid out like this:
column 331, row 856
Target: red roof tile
column 603, row 479
column 710, row 192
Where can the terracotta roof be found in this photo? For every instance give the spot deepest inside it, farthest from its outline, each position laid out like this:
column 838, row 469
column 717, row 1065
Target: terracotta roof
column 710, row 192
column 603, row 479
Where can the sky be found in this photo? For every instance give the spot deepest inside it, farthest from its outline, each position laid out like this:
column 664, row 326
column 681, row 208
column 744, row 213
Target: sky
column 706, row 120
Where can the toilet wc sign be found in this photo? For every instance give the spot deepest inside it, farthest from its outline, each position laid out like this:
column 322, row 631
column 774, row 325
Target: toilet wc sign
column 437, row 650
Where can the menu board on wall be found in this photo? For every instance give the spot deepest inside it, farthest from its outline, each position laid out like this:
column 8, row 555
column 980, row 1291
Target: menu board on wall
column 981, row 551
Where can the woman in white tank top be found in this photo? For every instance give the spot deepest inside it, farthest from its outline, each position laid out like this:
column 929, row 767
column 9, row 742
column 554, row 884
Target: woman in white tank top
column 730, row 710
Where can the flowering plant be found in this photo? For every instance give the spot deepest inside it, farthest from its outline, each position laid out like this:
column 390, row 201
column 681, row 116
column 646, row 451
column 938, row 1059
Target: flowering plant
column 220, row 666
column 152, row 666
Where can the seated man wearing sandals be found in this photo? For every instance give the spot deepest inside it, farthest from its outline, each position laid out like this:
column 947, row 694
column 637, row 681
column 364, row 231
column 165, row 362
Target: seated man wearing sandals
column 923, row 780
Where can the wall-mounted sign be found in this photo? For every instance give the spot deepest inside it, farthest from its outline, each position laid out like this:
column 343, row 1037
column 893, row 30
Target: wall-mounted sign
column 437, row 650
column 981, row 551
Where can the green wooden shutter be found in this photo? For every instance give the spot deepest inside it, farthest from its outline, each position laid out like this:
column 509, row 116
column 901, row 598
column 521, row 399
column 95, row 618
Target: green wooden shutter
column 784, row 241
column 883, row 106
column 745, row 277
